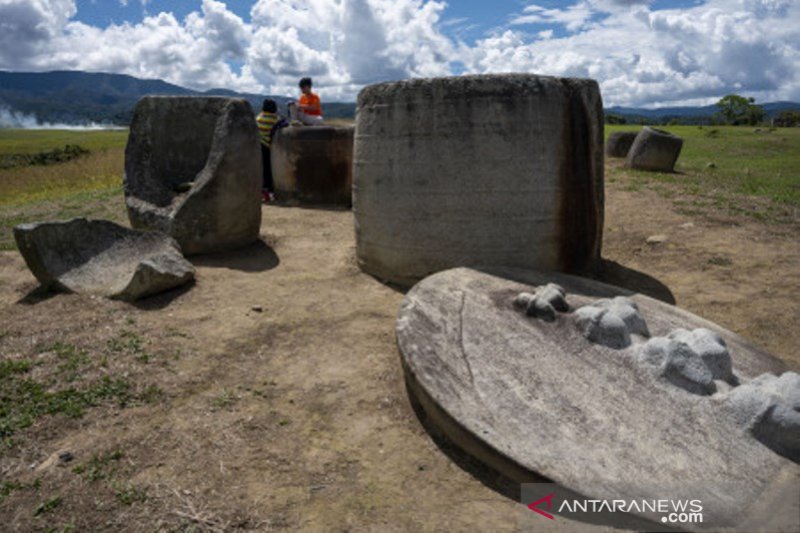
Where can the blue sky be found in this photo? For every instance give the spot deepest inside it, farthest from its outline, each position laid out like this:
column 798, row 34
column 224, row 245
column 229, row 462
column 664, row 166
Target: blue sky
column 467, row 20
column 642, row 52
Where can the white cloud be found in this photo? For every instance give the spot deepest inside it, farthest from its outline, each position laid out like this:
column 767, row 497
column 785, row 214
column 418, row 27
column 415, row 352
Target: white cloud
column 27, row 27
column 664, row 56
column 572, row 18
column 346, row 43
column 639, row 54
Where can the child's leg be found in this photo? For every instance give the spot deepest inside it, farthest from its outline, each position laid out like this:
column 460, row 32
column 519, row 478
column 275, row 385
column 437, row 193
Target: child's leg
column 266, row 169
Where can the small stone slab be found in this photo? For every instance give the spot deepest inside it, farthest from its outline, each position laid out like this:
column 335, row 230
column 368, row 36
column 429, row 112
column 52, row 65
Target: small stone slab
column 102, row 258
column 532, row 397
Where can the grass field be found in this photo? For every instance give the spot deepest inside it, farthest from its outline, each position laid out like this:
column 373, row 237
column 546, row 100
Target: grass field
column 90, row 185
column 754, row 173
column 746, row 170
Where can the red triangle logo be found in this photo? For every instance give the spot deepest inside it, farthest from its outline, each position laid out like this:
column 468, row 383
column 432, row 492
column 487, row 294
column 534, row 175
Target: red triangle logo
column 535, row 506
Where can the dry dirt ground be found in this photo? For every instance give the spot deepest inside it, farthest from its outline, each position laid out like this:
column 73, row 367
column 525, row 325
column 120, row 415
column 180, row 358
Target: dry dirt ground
column 296, row 417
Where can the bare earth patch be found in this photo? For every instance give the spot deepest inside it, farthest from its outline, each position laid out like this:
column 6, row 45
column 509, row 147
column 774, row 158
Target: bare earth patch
column 270, row 395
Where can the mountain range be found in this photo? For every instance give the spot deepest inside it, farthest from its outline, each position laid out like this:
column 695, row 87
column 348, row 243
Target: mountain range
column 74, row 97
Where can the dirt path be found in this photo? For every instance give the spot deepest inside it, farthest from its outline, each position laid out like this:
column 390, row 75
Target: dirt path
column 296, row 416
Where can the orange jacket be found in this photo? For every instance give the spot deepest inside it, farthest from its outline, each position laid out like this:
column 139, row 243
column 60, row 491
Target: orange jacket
column 314, row 106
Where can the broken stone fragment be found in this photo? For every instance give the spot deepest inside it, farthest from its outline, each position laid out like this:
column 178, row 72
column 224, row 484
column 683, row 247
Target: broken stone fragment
column 544, row 303
column 769, row 407
column 193, row 171
column 102, row 258
column 691, row 360
column 611, row 322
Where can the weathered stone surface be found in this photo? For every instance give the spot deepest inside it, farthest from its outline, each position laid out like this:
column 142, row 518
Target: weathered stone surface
column 769, row 407
column 655, row 150
column 102, row 258
column 193, row 171
column 611, row 322
column 314, row 165
column 478, row 170
column 619, row 142
column 544, row 303
column 530, row 397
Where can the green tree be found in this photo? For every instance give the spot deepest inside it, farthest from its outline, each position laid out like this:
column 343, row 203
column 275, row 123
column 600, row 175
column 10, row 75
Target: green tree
column 736, row 110
column 788, row 118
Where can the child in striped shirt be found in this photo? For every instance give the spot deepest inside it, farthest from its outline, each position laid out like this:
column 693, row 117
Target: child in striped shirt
column 268, row 123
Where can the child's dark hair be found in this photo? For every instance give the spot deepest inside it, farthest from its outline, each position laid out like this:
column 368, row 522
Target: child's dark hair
column 269, row 106
column 306, row 82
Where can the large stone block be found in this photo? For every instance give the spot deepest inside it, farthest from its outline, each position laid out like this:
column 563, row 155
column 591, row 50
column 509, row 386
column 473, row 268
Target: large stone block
column 655, row 150
column 314, row 164
column 102, row 258
column 478, row 170
column 193, row 171
column 529, row 395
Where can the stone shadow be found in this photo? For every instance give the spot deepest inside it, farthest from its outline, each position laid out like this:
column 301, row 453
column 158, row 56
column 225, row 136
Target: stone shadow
column 163, row 299
column 256, row 257
column 37, row 295
column 619, row 275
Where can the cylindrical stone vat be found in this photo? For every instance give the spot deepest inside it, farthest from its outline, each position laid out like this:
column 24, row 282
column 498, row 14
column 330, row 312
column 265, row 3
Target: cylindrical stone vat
column 492, row 170
column 655, row 150
column 313, row 164
column 619, row 142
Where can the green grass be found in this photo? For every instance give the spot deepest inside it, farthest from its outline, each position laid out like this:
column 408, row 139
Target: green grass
column 765, row 165
column 15, row 141
column 65, row 380
column 24, row 399
column 100, row 466
column 89, row 185
column 48, row 505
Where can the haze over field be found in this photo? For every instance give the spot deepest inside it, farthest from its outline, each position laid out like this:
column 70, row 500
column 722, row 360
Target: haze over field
column 644, row 52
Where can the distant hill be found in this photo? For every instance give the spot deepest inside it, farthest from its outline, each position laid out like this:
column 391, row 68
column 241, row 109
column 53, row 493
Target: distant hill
column 69, row 97
column 698, row 115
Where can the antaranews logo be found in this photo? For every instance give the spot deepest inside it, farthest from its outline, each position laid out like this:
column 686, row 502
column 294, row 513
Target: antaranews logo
column 551, row 505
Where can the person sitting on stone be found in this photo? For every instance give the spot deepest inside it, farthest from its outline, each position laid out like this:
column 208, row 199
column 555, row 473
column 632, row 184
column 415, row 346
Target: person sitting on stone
column 308, row 109
column 268, row 123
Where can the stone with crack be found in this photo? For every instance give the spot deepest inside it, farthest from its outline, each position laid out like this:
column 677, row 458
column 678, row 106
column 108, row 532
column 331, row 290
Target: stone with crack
column 544, row 303
column 611, row 322
column 534, row 399
column 691, row 360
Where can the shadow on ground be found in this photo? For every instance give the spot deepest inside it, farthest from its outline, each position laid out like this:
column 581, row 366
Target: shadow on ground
column 37, row 295
column 257, row 257
column 163, row 299
column 614, row 273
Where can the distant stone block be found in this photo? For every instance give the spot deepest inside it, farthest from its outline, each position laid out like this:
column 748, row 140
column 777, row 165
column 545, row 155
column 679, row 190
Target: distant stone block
column 619, row 142
column 655, row 150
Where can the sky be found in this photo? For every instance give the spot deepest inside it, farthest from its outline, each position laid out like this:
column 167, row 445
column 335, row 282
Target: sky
column 644, row 53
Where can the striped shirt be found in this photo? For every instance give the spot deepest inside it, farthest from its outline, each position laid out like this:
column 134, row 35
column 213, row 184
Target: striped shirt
column 265, row 122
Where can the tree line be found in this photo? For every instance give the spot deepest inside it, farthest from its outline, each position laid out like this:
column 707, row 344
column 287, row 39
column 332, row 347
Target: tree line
column 732, row 110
